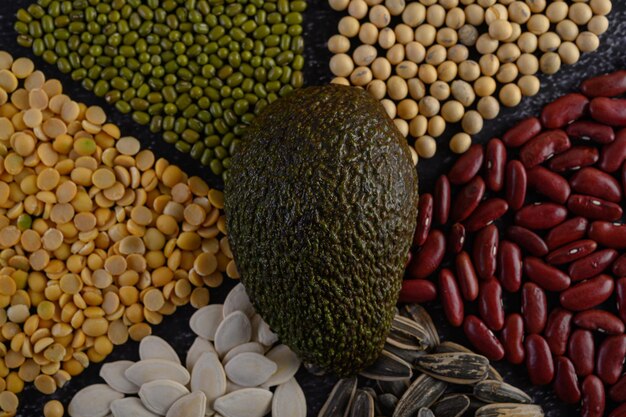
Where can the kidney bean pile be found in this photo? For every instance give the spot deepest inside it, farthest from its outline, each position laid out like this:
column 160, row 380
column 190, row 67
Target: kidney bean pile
column 538, row 213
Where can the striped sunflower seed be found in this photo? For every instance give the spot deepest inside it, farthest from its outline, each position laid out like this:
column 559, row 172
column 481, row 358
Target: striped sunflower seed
column 396, row 388
column 453, row 405
column 423, row 392
column 419, row 315
column 409, row 334
column 340, row 399
column 363, row 405
column 493, row 391
column 425, row 412
column 455, row 367
column 407, row 355
column 388, row 367
column 510, row 410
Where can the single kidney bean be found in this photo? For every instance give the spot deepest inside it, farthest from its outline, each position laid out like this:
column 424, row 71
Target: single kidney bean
column 619, row 411
column 467, row 166
column 618, row 391
column 527, row 240
column 456, row 238
column 613, row 155
column 599, row 320
column 486, row 213
column 512, row 336
column 557, row 332
column 594, row 208
column 510, row 266
column 543, row 147
column 417, row 291
column 607, row 85
column 619, row 267
column 547, row 277
column 482, row 338
column 591, row 265
column 566, row 381
column 441, row 208
column 620, row 292
column 588, row 130
column 485, row 251
column 490, row 304
column 574, row 158
column 424, row 219
column 612, row 235
column 541, row 216
column 588, row 294
column 451, row 298
column 495, row 162
column 610, row 359
column 564, row 110
column 592, row 181
column 610, row 111
column 467, row 200
column 516, row 182
column 623, row 177
column 593, row 397
column 566, row 232
column 581, row 350
column 538, row 360
column 534, row 308
column 429, row 256
column 522, row 132
column 571, row 252
column 547, row 183
column 466, row 275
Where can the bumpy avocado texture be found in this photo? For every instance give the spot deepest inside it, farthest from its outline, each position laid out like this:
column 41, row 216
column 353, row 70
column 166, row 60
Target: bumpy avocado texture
column 321, row 206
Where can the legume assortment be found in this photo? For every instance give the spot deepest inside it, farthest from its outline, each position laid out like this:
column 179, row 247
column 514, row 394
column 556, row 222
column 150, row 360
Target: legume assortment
column 561, row 181
column 197, row 71
column 417, row 57
column 98, row 238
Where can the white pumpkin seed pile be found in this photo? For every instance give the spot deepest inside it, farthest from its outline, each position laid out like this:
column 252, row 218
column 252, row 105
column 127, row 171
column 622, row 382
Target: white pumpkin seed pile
column 230, row 371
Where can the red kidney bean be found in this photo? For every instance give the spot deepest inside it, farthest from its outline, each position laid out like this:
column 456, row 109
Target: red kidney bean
column 522, row 132
column 451, row 298
column 564, row 110
column 467, row 200
column 592, row 181
column 558, row 328
column 588, row 294
column 581, row 350
column 607, row 85
column 613, row 155
column 566, row 381
column 538, row 360
column 593, row 397
column 619, row 266
column 456, row 238
column 543, row 147
column 594, row 208
column 490, row 304
column 591, row 265
column 610, row 361
column 588, row 130
column 547, row 183
column 574, row 158
column 599, row 320
column 417, row 291
column 424, row 219
column 429, row 257
column 485, row 251
column 495, row 162
column 466, row 275
column 541, row 216
column 486, row 213
column 619, row 411
column 618, row 391
column 620, row 292
column 512, row 336
column 467, row 165
column 611, row 235
column 610, row 111
column 571, row 252
column 547, row 277
column 442, row 199
column 527, row 240
column 482, row 338
column 534, row 308
column 510, row 266
column 623, row 177
column 567, row 232
column 516, row 182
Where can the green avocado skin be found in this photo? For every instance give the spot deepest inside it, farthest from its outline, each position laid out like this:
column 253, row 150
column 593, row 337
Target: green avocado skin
column 321, row 206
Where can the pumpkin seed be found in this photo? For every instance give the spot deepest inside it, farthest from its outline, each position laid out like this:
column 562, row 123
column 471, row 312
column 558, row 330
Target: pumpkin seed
column 425, row 412
column 208, row 377
column 288, row 364
column 247, row 402
column 113, row 375
column 254, row 347
column 130, row 406
column 250, row 369
column 198, row 347
column 153, row 347
column 289, row 400
column 93, row 401
column 238, row 300
column 235, row 330
column 423, row 392
column 451, row 406
column 454, row 367
column 191, row 405
column 263, row 334
column 159, row 395
column 363, row 405
column 340, row 399
column 494, row 391
column 206, row 320
column 510, row 410
column 153, row 369
column 388, row 367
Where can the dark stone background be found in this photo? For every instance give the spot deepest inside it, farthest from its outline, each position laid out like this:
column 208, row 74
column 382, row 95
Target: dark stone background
column 321, row 23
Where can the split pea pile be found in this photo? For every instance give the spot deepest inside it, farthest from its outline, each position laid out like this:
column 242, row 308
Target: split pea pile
column 417, row 57
column 98, row 238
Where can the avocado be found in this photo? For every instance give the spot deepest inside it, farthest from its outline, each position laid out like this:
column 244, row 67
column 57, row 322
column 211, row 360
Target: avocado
column 321, row 206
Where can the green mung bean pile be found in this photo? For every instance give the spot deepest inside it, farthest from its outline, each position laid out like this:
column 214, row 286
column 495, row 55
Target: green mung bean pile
column 197, row 71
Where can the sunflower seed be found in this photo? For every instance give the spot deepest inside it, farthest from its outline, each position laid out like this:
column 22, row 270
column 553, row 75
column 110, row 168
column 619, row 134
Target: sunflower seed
column 113, row 375
column 235, row 330
column 93, row 401
column 494, row 391
column 454, row 367
column 254, row 347
column 153, row 347
column 238, row 300
column 289, row 400
column 340, row 399
column 247, row 402
column 206, row 320
column 130, row 406
column 450, row 347
column 152, row 369
column 425, row 412
column 249, row 369
column 492, row 373
column 408, row 334
column 419, row 315
column 510, row 410
column 423, row 392
column 363, row 405
column 453, row 405
column 396, row 388
column 196, row 350
column 159, row 395
column 208, row 377
column 387, row 403
column 288, row 364
column 407, row 355
column 388, row 367
column 191, row 405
